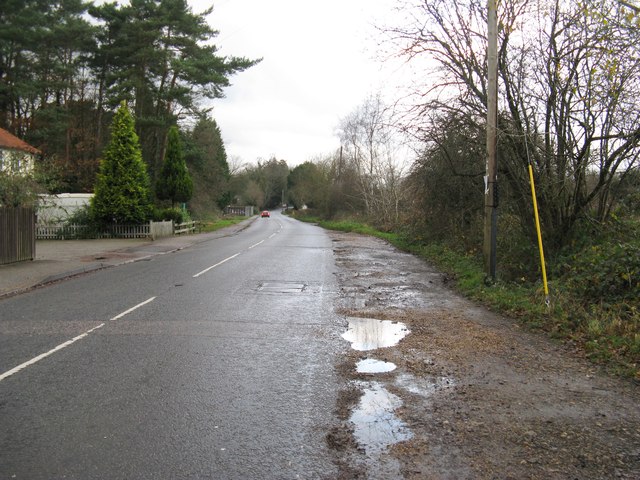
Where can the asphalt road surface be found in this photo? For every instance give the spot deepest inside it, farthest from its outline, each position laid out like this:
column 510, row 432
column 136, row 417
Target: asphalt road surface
column 212, row 362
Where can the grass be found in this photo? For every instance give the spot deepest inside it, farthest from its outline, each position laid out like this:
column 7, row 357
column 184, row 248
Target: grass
column 608, row 334
column 212, row 226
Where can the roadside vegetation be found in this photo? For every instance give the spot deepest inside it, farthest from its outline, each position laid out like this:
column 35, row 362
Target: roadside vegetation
column 219, row 223
column 594, row 289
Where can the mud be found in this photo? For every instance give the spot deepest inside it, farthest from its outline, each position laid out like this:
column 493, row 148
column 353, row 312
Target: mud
column 478, row 397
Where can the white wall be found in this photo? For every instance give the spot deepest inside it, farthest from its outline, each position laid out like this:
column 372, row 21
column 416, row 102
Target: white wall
column 58, row 208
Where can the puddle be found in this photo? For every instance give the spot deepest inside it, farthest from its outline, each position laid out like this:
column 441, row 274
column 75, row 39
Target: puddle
column 371, row 365
column 376, row 426
column 281, row 287
column 370, row 333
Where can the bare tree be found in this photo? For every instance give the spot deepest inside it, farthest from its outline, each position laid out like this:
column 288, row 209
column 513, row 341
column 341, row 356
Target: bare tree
column 569, row 74
column 372, row 149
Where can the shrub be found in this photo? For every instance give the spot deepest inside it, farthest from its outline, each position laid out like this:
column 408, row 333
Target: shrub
column 608, row 272
column 175, row 214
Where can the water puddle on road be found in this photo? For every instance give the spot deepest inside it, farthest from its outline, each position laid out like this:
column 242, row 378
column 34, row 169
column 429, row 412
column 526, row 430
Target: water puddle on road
column 371, row 365
column 370, row 333
column 376, row 426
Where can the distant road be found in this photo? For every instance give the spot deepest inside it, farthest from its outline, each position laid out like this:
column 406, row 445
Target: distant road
column 212, row 362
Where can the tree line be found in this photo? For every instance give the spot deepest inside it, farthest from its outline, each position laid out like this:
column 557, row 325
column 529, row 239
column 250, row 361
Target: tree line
column 66, row 65
column 569, row 80
column 569, row 106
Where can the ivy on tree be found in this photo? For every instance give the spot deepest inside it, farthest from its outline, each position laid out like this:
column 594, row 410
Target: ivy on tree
column 122, row 193
column 174, row 182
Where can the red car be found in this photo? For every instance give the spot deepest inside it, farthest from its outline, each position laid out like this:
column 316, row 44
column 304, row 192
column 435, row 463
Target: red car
column 265, row 214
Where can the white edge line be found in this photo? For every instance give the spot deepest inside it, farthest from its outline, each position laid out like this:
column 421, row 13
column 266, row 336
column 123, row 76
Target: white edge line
column 126, row 312
column 214, row 266
column 46, row 354
column 68, row 342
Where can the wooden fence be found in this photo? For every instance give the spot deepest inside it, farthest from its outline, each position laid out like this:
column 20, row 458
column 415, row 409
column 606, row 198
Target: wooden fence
column 68, row 232
column 161, row 229
column 186, row 227
column 153, row 230
column 17, row 234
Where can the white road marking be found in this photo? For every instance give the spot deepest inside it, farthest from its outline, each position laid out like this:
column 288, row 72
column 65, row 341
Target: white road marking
column 46, row 354
column 255, row 244
column 272, row 235
column 126, row 312
column 69, row 342
column 214, row 266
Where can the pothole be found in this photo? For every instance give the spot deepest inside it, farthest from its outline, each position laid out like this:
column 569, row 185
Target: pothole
column 370, row 333
column 376, row 427
column 371, row 365
column 375, row 424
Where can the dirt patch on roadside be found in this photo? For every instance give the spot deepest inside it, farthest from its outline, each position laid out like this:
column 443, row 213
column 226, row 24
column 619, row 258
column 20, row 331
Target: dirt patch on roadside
column 481, row 397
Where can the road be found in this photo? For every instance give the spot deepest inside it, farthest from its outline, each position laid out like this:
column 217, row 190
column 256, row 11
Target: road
column 213, row 362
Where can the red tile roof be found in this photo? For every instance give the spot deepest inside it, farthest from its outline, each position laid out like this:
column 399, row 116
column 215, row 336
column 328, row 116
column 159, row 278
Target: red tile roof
column 12, row 142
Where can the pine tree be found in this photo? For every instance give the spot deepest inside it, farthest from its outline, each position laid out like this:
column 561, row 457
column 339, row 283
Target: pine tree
column 122, row 193
column 206, row 159
column 174, row 182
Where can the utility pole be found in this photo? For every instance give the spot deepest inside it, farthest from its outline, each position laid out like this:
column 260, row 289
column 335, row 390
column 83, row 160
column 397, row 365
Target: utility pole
column 491, row 186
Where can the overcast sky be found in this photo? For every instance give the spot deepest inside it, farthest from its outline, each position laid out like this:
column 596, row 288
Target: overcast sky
column 319, row 64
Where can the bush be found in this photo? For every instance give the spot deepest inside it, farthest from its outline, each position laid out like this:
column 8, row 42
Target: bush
column 175, row 214
column 83, row 218
column 18, row 190
column 607, row 272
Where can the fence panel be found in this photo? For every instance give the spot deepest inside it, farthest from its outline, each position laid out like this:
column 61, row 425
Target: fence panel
column 161, row 229
column 186, row 227
column 62, row 232
column 17, row 234
column 68, row 232
column 128, row 231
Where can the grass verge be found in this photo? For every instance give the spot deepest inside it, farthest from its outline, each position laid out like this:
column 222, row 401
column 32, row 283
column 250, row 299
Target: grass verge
column 217, row 224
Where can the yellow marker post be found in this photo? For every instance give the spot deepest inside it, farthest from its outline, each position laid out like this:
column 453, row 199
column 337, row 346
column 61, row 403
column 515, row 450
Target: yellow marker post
column 535, row 211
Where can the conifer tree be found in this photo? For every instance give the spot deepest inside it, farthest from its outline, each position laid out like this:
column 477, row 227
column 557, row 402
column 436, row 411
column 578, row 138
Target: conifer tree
column 206, row 159
column 122, row 193
column 174, row 182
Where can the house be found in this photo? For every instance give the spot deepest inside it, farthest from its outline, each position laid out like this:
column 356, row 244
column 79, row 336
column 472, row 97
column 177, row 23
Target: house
column 16, row 156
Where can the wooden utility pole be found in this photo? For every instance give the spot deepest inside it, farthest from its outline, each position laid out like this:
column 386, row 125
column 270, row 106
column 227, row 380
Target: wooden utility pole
column 491, row 187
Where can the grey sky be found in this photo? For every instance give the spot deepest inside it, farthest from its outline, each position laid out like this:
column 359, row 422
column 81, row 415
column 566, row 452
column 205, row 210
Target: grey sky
column 319, row 65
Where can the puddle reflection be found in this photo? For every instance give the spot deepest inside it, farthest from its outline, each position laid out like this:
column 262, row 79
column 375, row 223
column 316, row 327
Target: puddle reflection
column 376, row 426
column 370, row 333
column 371, row 365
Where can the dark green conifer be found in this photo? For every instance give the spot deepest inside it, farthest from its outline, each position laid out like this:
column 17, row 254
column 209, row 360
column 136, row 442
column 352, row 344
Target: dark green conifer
column 174, row 182
column 122, row 188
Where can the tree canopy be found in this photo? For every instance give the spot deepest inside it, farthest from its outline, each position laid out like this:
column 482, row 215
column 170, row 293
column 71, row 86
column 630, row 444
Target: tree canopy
column 65, row 65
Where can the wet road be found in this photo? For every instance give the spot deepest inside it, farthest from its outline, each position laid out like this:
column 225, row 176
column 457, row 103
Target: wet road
column 213, row 362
